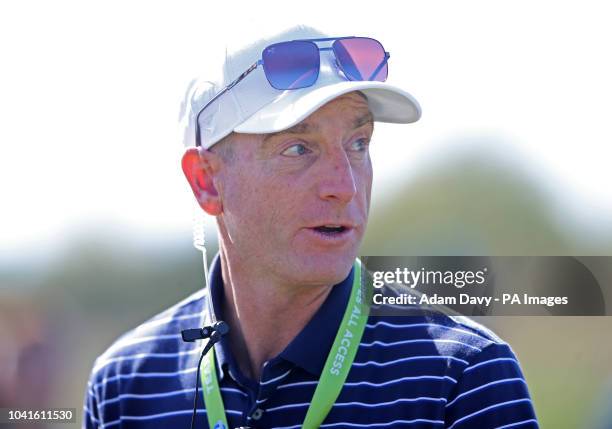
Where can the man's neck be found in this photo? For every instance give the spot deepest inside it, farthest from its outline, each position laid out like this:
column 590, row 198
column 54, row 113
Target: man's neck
column 265, row 316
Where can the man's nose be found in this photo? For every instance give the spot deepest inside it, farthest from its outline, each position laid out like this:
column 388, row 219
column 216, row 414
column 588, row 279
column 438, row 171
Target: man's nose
column 336, row 177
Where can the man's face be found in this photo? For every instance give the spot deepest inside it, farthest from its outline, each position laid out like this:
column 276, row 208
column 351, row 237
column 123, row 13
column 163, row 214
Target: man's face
column 295, row 203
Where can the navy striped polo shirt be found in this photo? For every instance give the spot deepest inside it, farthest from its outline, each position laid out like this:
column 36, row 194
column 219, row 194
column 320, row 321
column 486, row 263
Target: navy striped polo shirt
column 434, row 371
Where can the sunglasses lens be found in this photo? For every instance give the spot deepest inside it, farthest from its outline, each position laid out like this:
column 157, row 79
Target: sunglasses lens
column 361, row 58
column 291, row 65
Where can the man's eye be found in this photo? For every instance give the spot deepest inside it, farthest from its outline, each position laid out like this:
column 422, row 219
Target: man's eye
column 360, row 145
column 295, row 150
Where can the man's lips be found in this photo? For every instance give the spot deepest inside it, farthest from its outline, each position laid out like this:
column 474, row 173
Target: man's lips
column 332, row 229
column 332, row 225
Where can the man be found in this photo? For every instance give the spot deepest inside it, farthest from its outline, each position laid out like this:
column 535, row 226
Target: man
column 279, row 156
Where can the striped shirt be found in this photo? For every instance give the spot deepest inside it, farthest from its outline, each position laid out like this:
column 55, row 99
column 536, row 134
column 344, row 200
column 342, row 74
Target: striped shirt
column 429, row 371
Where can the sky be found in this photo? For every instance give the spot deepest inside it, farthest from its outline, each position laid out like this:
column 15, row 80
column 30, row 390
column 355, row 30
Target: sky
column 90, row 94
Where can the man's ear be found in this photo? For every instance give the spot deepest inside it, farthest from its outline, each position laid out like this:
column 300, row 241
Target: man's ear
column 200, row 166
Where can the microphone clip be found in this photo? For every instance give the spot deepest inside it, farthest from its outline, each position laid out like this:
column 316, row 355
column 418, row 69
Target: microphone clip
column 191, row 335
column 214, row 332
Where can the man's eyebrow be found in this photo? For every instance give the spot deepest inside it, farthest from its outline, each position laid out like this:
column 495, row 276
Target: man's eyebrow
column 306, row 127
column 301, row 128
column 368, row 118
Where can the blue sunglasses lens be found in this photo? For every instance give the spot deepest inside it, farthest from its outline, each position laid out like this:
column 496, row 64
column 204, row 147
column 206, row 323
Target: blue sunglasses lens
column 291, row 65
column 361, row 58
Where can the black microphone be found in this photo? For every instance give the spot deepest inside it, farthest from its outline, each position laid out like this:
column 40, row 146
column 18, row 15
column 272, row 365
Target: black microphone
column 214, row 334
column 191, row 335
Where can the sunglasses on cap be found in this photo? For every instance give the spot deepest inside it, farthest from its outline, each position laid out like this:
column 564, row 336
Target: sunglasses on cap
column 295, row 64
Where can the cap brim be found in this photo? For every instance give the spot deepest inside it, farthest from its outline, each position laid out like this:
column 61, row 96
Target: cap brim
column 387, row 104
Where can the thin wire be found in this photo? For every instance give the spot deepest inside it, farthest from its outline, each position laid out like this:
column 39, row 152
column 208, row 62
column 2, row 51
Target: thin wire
column 195, row 395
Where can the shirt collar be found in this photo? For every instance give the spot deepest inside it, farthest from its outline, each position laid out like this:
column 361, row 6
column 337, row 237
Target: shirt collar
column 309, row 349
column 320, row 330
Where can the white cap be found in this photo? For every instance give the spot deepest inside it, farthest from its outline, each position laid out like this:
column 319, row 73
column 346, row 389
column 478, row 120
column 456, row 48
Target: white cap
column 254, row 106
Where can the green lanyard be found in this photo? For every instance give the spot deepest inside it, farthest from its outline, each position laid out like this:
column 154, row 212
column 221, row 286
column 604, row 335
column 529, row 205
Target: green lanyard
column 332, row 378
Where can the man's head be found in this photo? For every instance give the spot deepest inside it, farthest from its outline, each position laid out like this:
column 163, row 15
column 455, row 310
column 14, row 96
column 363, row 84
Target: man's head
column 290, row 182
column 293, row 203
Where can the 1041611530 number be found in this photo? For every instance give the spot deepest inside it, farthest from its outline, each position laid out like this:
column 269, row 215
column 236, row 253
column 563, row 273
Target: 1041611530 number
column 57, row 415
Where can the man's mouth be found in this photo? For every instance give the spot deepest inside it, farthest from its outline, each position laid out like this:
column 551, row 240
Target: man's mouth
column 332, row 230
column 333, row 234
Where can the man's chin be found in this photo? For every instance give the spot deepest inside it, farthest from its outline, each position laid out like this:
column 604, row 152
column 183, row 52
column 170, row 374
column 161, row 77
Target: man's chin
column 325, row 268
